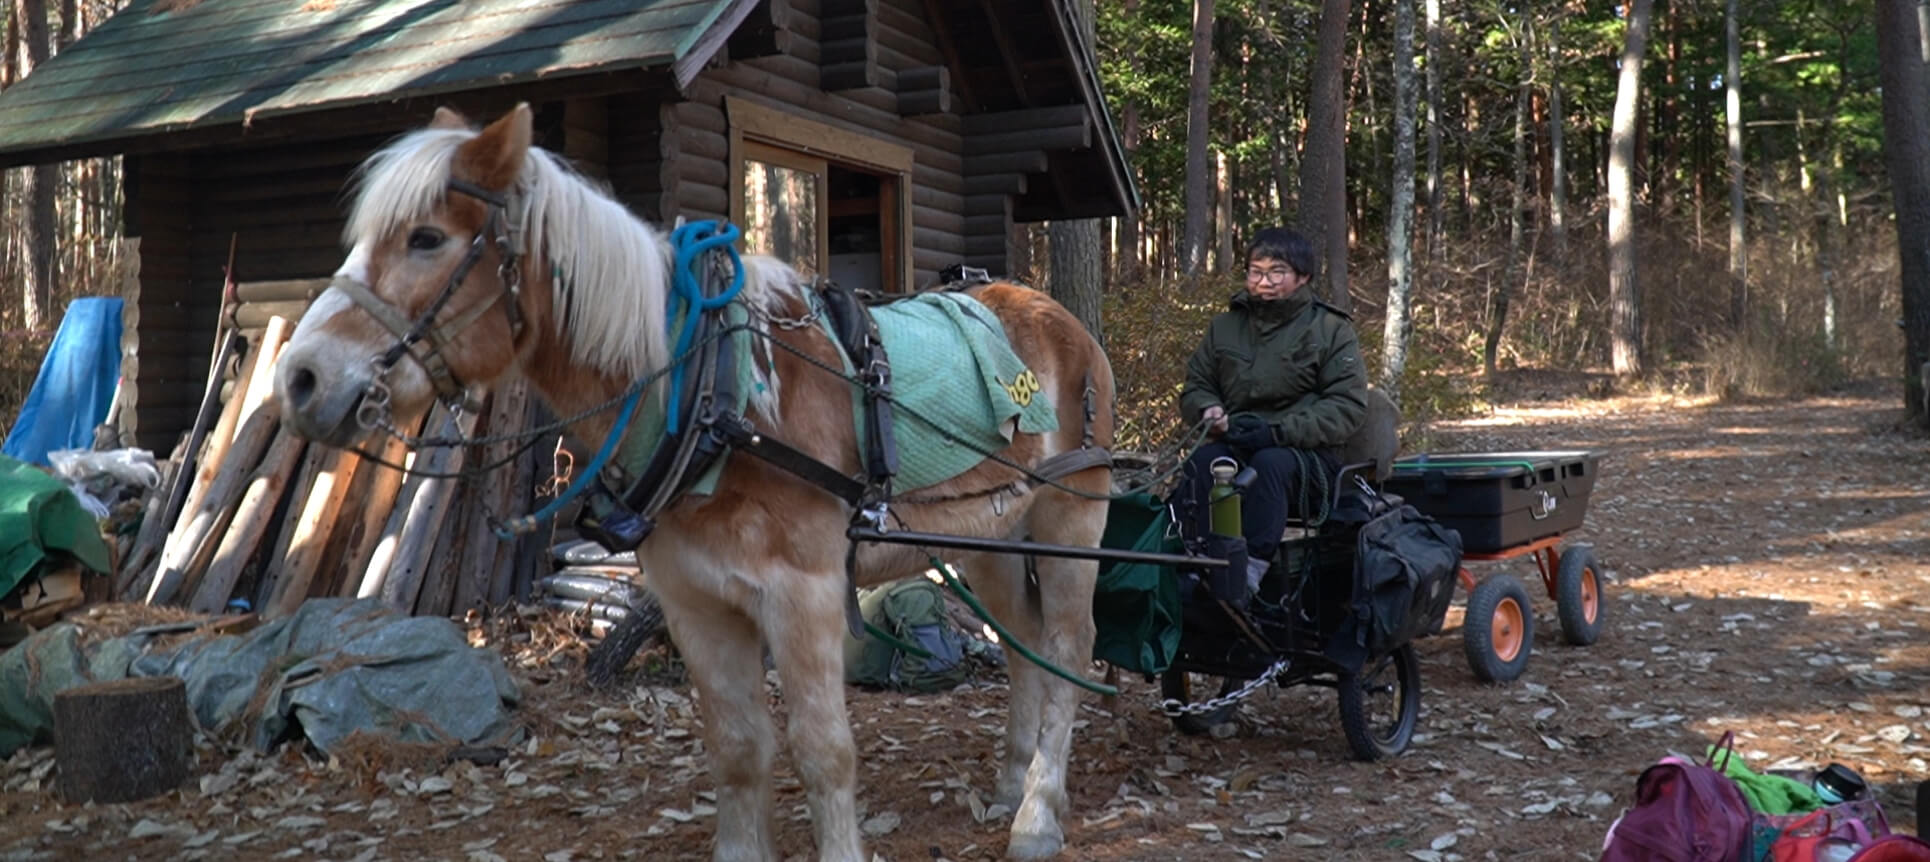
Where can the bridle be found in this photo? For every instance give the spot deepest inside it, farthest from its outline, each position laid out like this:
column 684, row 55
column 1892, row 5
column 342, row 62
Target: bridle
column 424, row 340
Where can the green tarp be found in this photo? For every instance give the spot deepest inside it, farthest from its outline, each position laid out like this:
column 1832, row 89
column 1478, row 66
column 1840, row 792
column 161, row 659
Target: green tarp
column 39, row 517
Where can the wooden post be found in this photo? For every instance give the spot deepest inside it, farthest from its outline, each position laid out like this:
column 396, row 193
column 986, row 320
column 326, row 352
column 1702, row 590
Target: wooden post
column 121, row 740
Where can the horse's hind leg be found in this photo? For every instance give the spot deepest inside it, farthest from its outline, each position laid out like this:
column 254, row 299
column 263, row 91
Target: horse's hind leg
column 806, row 622
column 1000, row 582
column 1066, row 631
column 725, row 657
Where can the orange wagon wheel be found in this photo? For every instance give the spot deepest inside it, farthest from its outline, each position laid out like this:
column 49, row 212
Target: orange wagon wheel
column 1498, row 633
column 1579, row 596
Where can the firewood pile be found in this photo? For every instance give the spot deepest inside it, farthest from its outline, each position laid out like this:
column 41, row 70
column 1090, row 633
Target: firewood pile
column 257, row 518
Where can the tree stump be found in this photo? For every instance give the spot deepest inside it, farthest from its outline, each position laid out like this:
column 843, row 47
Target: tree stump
column 121, row 740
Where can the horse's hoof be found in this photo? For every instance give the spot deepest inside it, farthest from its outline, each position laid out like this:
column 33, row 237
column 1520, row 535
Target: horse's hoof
column 1035, row 840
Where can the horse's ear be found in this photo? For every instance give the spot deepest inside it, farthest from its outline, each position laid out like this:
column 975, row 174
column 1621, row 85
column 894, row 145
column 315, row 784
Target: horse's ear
column 449, row 118
column 493, row 159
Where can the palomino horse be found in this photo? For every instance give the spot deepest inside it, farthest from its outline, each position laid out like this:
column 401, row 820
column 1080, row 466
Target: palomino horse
column 524, row 267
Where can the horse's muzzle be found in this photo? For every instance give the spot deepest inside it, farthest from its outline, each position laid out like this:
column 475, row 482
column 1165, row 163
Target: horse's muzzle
column 320, row 403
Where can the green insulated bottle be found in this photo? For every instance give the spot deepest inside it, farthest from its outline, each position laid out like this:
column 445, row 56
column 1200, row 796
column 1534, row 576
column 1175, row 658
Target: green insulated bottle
column 1224, row 500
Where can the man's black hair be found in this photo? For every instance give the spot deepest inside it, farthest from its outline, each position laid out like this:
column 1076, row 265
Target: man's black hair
column 1285, row 244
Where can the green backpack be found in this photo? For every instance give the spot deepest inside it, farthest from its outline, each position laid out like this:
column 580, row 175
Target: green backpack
column 912, row 610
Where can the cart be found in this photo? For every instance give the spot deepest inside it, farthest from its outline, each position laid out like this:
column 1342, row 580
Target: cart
column 1303, row 626
column 1508, row 505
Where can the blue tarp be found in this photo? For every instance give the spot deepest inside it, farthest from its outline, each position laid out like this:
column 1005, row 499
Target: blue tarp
column 76, row 383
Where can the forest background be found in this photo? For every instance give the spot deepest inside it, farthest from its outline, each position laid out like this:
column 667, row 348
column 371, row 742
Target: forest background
column 1689, row 194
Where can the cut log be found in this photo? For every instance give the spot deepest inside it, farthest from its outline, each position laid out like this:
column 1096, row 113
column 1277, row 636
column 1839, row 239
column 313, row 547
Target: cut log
column 375, row 501
column 122, row 740
column 314, row 527
column 193, row 540
column 476, row 575
column 250, row 523
column 421, row 521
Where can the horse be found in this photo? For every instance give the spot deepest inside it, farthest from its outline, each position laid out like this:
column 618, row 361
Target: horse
column 500, row 260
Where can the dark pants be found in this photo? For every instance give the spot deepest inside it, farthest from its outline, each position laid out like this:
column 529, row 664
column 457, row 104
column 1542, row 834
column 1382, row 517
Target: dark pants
column 1265, row 505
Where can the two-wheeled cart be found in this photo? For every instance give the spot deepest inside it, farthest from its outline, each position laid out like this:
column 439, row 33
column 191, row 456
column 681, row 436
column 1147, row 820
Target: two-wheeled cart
column 1508, row 505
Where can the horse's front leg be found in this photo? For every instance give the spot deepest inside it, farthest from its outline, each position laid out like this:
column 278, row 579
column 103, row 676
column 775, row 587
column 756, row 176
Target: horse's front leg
column 724, row 654
column 804, row 615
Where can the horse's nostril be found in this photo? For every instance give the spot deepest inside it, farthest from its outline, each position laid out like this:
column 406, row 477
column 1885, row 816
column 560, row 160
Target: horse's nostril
column 300, row 386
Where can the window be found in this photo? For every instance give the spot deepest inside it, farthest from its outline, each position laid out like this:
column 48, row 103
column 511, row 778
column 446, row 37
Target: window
column 829, row 201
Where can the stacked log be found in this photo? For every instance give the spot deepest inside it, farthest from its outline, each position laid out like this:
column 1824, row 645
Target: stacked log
column 267, row 520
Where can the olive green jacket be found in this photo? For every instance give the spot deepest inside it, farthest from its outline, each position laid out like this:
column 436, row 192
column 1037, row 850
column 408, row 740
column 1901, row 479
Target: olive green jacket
column 1294, row 361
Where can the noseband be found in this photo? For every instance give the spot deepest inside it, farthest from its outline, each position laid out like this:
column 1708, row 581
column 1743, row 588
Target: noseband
column 411, row 335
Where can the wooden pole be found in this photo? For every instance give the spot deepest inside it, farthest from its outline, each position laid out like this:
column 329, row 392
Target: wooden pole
column 202, row 524
column 315, row 526
column 376, row 501
column 424, row 522
column 251, row 520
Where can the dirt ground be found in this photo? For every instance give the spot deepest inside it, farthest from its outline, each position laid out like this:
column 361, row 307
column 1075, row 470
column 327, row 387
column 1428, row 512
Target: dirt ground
column 1769, row 572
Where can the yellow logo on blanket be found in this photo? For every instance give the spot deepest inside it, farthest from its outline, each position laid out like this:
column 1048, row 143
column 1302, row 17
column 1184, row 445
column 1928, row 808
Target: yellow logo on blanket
column 1022, row 388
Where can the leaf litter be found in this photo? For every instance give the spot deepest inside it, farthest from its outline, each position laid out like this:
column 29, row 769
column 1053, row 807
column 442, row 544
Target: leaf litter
column 1729, row 608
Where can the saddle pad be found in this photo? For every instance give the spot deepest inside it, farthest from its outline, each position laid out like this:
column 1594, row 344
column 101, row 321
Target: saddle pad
column 952, row 365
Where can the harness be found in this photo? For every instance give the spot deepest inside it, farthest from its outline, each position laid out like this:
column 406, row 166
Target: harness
column 702, row 424
column 410, row 335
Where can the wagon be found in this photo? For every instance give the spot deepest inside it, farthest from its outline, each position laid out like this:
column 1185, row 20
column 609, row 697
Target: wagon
column 1508, row 505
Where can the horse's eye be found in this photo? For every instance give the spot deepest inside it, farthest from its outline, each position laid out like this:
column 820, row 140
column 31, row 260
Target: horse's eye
column 425, row 239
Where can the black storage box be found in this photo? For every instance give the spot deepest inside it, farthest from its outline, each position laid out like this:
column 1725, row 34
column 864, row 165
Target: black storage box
column 1499, row 500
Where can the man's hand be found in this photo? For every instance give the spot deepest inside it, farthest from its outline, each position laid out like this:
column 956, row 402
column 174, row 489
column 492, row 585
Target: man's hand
column 1216, row 415
column 1249, row 434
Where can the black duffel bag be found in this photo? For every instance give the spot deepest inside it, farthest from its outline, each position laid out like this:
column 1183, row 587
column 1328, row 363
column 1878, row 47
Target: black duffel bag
column 1404, row 572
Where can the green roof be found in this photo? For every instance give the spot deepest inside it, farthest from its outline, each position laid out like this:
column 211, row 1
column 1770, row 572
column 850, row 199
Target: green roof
column 170, row 65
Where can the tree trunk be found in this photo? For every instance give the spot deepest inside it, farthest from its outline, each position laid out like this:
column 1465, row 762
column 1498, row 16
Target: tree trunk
column 1199, row 166
column 1400, row 209
column 1732, row 113
column 1224, row 260
column 1662, row 179
column 1433, row 66
column 1077, row 277
column 1900, row 42
column 1518, row 204
column 1624, row 294
column 1323, row 169
column 1558, row 155
column 37, row 184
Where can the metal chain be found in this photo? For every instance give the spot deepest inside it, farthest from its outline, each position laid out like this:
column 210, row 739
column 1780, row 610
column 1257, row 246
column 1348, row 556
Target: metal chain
column 1174, row 709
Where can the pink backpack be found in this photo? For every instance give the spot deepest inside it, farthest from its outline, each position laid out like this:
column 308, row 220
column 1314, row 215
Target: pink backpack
column 1684, row 812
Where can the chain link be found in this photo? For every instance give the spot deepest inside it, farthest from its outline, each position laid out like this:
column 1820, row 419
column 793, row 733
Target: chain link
column 1174, row 709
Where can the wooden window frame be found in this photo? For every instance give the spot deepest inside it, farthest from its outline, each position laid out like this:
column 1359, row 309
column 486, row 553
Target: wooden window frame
column 762, row 133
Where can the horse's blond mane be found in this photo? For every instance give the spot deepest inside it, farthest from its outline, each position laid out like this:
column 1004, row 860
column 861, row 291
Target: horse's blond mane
column 611, row 269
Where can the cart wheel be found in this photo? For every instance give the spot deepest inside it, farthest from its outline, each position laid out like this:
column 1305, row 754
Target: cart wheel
column 1176, row 684
column 1579, row 596
column 1499, row 631
column 1380, row 706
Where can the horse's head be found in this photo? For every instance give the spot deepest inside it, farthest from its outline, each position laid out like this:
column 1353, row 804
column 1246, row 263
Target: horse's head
column 430, row 299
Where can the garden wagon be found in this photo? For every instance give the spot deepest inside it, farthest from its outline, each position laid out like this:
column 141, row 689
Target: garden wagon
column 1508, row 505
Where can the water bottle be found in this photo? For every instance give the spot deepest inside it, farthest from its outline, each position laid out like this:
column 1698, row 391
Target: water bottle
column 1224, row 500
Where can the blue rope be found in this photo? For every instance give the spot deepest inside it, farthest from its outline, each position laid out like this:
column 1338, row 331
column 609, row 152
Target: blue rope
column 691, row 240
